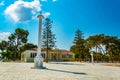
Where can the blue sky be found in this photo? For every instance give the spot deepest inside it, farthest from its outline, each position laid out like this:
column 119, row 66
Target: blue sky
column 90, row 16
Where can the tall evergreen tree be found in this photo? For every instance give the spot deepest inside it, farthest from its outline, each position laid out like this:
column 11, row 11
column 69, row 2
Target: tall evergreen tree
column 48, row 40
column 79, row 45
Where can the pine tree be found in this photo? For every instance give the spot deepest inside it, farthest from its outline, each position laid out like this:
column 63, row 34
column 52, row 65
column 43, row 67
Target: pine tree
column 79, row 44
column 48, row 41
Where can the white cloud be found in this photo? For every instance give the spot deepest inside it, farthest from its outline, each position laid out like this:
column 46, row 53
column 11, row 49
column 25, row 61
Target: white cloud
column 54, row 0
column 21, row 11
column 2, row 3
column 44, row 0
column 46, row 14
column 47, row 0
column 4, row 36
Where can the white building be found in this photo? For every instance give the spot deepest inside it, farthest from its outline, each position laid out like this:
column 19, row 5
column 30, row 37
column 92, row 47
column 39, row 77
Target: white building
column 56, row 55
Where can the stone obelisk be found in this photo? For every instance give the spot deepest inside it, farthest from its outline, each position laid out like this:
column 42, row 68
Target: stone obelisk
column 38, row 60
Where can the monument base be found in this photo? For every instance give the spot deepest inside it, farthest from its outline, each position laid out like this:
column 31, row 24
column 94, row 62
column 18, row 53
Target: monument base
column 38, row 63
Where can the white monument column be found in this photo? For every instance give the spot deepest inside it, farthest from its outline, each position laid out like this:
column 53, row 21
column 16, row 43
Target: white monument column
column 38, row 60
column 92, row 60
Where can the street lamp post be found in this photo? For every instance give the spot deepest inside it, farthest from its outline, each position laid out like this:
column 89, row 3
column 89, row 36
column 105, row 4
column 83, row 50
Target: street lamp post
column 38, row 60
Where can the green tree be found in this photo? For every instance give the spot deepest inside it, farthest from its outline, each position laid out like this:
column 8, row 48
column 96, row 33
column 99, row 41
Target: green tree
column 3, row 45
column 112, row 47
column 7, row 55
column 72, row 48
column 17, row 39
column 5, row 52
column 96, row 42
column 48, row 38
column 79, row 45
column 107, row 47
column 118, row 49
column 27, row 46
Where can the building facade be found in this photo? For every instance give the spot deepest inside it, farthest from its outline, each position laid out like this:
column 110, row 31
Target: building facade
column 54, row 55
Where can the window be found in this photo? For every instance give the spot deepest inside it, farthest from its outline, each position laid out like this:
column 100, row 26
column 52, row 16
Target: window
column 63, row 56
column 70, row 56
column 32, row 55
column 43, row 55
column 35, row 54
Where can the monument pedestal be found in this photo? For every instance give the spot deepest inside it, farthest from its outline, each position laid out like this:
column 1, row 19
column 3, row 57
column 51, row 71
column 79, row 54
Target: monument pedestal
column 38, row 62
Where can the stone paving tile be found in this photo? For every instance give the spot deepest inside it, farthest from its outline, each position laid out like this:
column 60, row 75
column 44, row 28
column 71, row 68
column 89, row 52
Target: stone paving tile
column 58, row 71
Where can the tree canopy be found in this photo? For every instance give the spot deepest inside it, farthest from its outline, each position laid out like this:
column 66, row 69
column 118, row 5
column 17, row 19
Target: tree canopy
column 104, row 47
column 15, row 42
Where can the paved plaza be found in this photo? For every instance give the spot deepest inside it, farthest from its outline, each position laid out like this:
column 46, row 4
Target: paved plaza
column 58, row 71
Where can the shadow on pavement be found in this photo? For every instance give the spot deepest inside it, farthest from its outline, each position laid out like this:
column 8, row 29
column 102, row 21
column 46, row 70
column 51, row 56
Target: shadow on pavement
column 81, row 73
column 66, row 63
